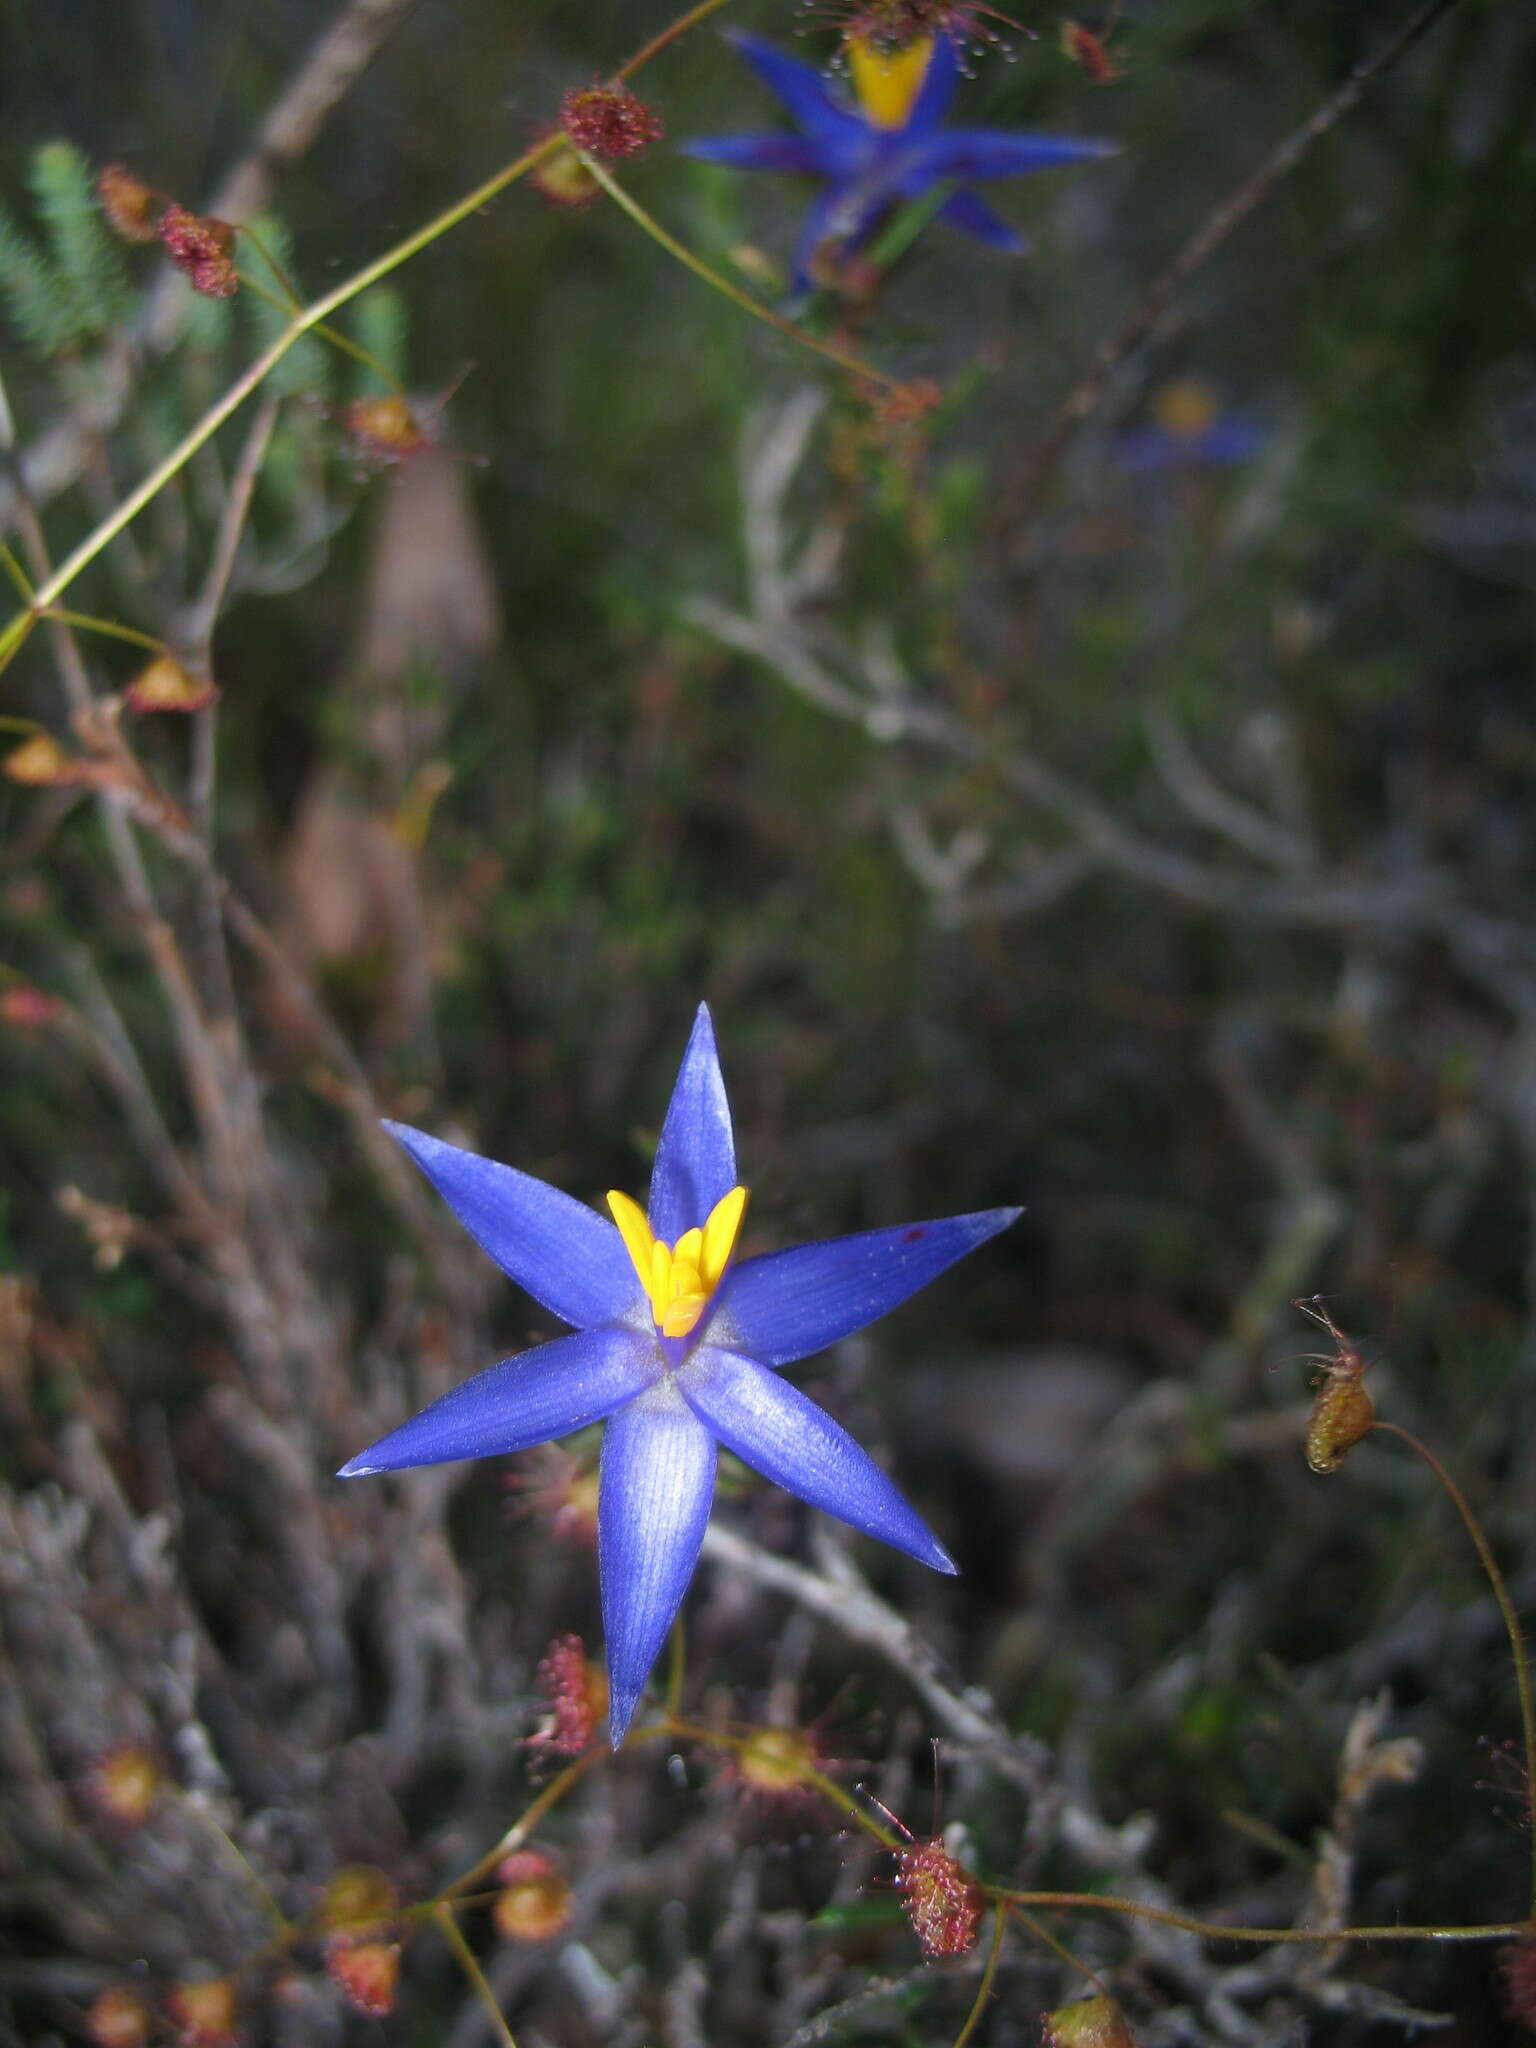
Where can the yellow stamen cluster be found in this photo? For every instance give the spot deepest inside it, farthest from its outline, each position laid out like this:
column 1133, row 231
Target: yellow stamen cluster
column 1185, row 407
column 888, row 82
column 680, row 1278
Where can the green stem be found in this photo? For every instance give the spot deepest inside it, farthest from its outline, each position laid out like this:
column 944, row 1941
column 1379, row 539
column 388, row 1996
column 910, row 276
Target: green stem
column 288, row 301
column 1043, row 1934
column 17, row 574
column 18, row 627
column 1512, row 1628
column 453, row 1934
column 85, row 623
column 988, row 1979
column 1214, row 1930
column 653, row 227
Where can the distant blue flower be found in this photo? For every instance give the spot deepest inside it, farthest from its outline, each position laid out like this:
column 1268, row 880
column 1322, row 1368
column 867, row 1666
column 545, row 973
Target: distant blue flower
column 678, row 1350
column 1188, row 431
column 887, row 149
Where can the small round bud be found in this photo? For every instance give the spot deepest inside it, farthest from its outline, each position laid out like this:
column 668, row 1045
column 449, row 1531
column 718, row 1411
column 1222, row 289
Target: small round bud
column 202, row 249
column 385, row 428
column 164, row 685
column 1341, row 1415
column 40, row 761
column 564, row 180
column 1090, row 2023
column 367, row 1971
column 118, row 2018
column 943, row 1900
column 203, row 2013
column 26, row 1008
column 772, row 1762
column 128, row 205
column 534, row 1903
column 359, row 1901
column 609, row 121
column 124, row 1783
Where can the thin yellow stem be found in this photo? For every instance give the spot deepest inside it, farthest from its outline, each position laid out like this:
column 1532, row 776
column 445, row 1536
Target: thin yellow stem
column 17, row 574
column 453, row 1934
column 1214, row 1930
column 1043, row 1934
column 988, row 1979
column 85, row 623
column 524, row 1826
column 288, row 301
column 1512, row 1628
column 653, row 227
column 668, row 35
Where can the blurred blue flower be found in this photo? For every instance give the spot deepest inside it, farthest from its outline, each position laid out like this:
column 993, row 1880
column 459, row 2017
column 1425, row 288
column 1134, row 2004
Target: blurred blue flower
column 886, row 149
column 678, row 1350
column 1188, row 431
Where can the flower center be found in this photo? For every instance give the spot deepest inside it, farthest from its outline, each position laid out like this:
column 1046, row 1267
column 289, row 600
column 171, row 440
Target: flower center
column 1185, row 408
column 680, row 1278
column 887, row 82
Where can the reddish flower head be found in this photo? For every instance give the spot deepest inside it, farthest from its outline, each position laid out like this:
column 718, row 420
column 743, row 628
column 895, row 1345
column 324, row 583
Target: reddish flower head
column 609, row 121
column 118, row 2018
column 127, row 203
column 577, row 1691
column 942, row 1899
column 534, row 1903
column 202, row 248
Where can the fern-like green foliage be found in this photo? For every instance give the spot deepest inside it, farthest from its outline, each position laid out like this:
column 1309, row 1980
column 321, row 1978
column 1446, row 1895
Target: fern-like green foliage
column 35, row 302
column 379, row 324
column 306, row 367
column 67, row 284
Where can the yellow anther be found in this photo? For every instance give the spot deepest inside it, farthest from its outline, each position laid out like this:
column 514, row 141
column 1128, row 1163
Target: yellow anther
column 888, row 82
column 679, row 1279
column 1185, row 407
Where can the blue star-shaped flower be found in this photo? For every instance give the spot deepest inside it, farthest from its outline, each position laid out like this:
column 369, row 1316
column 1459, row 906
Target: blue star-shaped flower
column 678, row 1350
column 886, row 149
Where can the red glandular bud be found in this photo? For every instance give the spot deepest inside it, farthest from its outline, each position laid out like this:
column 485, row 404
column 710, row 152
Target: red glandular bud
column 534, row 1903
column 609, row 121
column 577, row 1691
column 127, row 203
column 164, row 685
column 943, row 1901
column 202, row 249
column 118, row 2018
column 367, row 1971
column 203, row 2013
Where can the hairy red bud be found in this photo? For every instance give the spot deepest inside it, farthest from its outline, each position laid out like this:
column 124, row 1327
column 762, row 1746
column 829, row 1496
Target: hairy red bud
column 609, row 121
column 202, row 248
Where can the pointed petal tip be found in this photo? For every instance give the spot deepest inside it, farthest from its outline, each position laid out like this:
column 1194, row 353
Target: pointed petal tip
column 943, row 1562
column 358, row 1467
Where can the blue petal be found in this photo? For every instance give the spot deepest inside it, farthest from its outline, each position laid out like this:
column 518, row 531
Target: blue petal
column 782, row 1433
column 525, row 1400
column 810, row 101
column 563, row 1253
column 696, row 1153
column 963, row 210
column 936, row 91
column 966, row 153
column 785, row 1305
column 1154, row 448
column 654, row 1490
column 841, row 218
column 768, row 153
